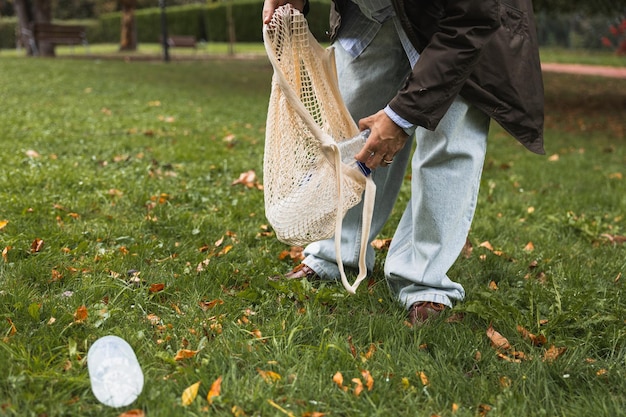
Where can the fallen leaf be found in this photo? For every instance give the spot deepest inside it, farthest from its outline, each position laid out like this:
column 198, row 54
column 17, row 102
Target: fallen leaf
column 32, row 154
column 423, row 378
column 369, row 381
column 12, row 329
column 3, row 224
column 36, row 246
column 207, row 305
column 5, row 253
column 237, row 411
column 497, row 340
column 153, row 319
column 80, row 315
column 247, row 178
column 338, row 379
column 493, row 286
column 553, row 158
column 529, row 247
column 553, row 353
column 614, row 238
column 269, row 376
column 281, row 409
column 190, row 393
column 185, row 354
column 467, row 249
column 133, row 413
column 215, row 390
column 486, row 245
column 381, row 244
column 154, row 288
column 358, row 386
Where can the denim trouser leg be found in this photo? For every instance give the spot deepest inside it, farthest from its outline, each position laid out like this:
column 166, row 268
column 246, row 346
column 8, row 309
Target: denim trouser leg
column 446, row 169
column 367, row 83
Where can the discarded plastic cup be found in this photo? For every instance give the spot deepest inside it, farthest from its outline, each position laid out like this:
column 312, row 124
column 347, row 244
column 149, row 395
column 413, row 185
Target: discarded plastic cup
column 115, row 374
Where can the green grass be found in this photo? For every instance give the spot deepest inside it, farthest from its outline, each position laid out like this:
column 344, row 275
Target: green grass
column 208, row 50
column 125, row 171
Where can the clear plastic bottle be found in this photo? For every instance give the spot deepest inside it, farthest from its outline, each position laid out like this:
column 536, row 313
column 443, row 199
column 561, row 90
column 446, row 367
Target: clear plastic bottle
column 349, row 148
column 115, row 374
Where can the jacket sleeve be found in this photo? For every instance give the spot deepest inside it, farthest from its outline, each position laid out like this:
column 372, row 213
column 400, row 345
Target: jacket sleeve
column 447, row 55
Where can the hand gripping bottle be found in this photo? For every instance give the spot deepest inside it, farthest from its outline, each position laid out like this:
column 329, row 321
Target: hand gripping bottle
column 115, row 374
column 349, row 148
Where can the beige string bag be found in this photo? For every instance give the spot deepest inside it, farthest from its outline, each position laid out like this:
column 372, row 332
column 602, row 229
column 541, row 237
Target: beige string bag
column 307, row 188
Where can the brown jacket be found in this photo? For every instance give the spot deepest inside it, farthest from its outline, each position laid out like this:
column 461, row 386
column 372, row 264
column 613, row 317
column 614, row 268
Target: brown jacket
column 485, row 50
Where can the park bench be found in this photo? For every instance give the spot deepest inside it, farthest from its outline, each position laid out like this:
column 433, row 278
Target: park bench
column 55, row 34
column 180, row 41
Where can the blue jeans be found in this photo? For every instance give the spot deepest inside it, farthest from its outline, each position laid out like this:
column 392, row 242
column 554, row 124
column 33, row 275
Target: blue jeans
column 445, row 177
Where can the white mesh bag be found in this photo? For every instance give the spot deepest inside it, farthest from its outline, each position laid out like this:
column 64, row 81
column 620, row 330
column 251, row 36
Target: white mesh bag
column 307, row 188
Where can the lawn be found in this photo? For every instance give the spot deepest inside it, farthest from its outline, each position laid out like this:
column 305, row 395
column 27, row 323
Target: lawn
column 121, row 213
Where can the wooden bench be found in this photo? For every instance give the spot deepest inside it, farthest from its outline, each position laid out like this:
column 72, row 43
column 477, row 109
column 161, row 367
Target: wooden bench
column 180, row 41
column 55, row 34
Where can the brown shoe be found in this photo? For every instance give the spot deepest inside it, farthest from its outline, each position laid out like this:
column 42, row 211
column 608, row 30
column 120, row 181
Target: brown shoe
column 423, row 311
column 299, row 272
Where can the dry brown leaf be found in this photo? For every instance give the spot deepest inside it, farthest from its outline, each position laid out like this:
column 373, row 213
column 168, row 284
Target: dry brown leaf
column 381, row 244
column 225, row 250
column 247, row 178
column 207, row 305
column 153, row 319
column 338, row 379
column 5, row 253
column 36, row 246
column 12, row 329
column 185, row 354
column 529, row 247
column 497, row 340
column 369, row 381
column 190, row 393
column 358, row 386
column 216, row 388
column 535, row 340
column 154, row 288
column 80, row 315
column 133, row 413
column 614, row 238
column 486, row 245
column 493, row 286
column 467, row 249
column 553, row 353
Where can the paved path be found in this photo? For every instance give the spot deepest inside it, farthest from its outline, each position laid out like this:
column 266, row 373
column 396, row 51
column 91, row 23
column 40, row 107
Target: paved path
column 613, row 72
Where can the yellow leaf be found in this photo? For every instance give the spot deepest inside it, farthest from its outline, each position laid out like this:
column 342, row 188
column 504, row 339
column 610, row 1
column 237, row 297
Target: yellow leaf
column 185, row 354
column 405, row 382
column 12, row 330
column 3, row 223
column 281, row 409
column 423, row 378
column 215, row 390
column 529, row 247
column 237, row 411
column 269, row 376
column 190, row 393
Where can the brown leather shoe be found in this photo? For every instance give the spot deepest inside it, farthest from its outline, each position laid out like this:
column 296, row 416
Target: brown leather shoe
column 423, row 311
column 299, row 272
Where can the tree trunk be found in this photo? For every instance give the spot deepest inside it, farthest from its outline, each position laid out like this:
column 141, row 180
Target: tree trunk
column 43, row 14
column 29, row 12
column 128, row 37
column 24, row 18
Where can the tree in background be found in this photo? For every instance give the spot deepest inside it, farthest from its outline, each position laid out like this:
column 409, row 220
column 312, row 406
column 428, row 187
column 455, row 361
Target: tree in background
column 128, row 36
column 29, row 12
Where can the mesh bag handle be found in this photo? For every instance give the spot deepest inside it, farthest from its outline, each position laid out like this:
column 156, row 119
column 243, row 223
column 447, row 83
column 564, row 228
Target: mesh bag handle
column 307, row 189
